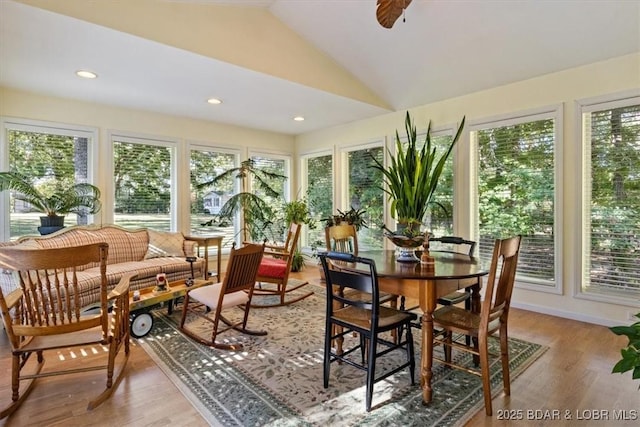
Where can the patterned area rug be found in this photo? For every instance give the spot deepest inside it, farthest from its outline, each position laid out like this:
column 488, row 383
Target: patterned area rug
column 277, row 379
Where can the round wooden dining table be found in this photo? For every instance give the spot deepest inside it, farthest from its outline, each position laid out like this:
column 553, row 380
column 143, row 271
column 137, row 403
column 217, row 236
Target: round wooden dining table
column 426, row 282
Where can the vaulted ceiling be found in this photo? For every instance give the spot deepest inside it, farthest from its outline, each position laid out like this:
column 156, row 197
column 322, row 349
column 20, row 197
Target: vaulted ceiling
column 270, row 60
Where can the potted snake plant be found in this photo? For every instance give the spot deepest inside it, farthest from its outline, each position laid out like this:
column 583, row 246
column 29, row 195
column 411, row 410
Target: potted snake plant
column 411, row 180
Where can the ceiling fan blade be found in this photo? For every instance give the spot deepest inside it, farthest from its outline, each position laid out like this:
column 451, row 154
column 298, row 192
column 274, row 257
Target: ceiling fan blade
column 388, row 11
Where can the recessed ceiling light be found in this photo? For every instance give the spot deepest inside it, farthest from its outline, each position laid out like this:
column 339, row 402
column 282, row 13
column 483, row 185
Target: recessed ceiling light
column 298, row 119
column 214, row 101
column 86, row 74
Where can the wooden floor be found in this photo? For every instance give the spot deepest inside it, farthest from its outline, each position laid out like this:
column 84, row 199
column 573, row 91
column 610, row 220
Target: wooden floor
column 572, row 379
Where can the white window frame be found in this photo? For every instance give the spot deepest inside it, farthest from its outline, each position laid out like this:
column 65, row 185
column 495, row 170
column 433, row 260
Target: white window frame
column 132, row 138
column 341, row 193
column 288, row 166
column 554, row 112
column 194, row 146
column 11, row 123
column 304, row 183
column 582, row 107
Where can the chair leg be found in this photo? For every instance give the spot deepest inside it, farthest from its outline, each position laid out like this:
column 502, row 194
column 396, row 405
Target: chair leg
column 112, row 380
column 16, row 397
column 448, row 338
column 327, row 352
column 244, row 329
column 411, row 355
column 504, row 355
column 371, row 370
column 486, row 375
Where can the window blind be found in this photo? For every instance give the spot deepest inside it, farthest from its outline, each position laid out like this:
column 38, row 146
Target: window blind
column 272, row 226
column 319, row 195
column 612, row 208
column 206, row 202
column 143, row 185
column 49, row 158
column 516, row 193
column 364, row 193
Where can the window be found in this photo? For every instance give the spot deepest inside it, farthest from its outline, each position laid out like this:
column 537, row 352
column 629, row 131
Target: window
column 364, row 193
column 274, row 230
column 206, row 202
column 611, row 198
column 516, row 192
column 47, row 153
column 439, row 220
column 143, row 182
column 319, row 191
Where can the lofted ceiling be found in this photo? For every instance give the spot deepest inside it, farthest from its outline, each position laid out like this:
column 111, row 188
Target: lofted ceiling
column 270, row 60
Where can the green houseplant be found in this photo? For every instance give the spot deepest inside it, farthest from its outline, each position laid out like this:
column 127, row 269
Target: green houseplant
column 353, row 217
column 55, row 200
column 411, row 179
column 298, row 211
column 256, row 213
column 630, row 360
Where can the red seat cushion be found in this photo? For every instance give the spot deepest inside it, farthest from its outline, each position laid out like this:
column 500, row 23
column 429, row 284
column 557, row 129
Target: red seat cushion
column 272, row 267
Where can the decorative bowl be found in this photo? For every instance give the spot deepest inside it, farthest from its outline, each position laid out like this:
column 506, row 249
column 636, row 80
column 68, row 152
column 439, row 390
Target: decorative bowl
column 407, row 246
column 403, row 241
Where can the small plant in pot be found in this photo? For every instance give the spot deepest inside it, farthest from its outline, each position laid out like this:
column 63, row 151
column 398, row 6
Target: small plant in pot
column 54, row 200
column 353, row 217
column 630, row 360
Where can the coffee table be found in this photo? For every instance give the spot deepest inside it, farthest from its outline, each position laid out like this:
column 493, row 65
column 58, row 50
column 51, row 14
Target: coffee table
column 141, row 321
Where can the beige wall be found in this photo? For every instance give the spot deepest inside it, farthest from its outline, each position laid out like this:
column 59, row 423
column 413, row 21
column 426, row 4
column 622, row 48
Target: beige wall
column 107, row 119
column 564, row 88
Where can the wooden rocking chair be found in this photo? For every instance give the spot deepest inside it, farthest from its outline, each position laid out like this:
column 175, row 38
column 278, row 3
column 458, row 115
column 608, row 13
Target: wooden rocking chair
column 44, row 314
column 273, row 274
column 208, row 302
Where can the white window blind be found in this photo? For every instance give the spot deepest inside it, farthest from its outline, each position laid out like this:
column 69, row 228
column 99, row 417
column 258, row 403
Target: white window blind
column 516, row 192
column 52, row 158
column 319, row 170
column 612, row 199
column 272, row 226
column 364, row 193
column 206, row 202
column 143, row 183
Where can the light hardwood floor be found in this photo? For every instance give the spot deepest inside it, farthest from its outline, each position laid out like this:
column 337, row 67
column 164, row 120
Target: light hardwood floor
column 573, row 377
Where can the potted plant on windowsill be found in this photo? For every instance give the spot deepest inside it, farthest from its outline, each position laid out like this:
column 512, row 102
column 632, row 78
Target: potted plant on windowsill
column 353, row 217
column 55, row 201
column 411, row 181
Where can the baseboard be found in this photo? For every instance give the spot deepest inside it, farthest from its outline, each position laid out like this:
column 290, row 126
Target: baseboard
column 566, row 314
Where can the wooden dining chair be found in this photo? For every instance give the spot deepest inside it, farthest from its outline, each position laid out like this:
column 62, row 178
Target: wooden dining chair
column 43, row 315
column 492, row 318
column 367, row 318
column 454, row 244
column 273, row 274
column 344, row 238
column 209, row 302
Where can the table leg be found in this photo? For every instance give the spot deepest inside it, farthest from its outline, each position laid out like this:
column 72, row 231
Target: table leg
column 428, row 306
column 475, row 296
column 426, row 373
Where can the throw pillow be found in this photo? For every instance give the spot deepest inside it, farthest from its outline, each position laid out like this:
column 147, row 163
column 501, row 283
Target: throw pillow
column 163, row 243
